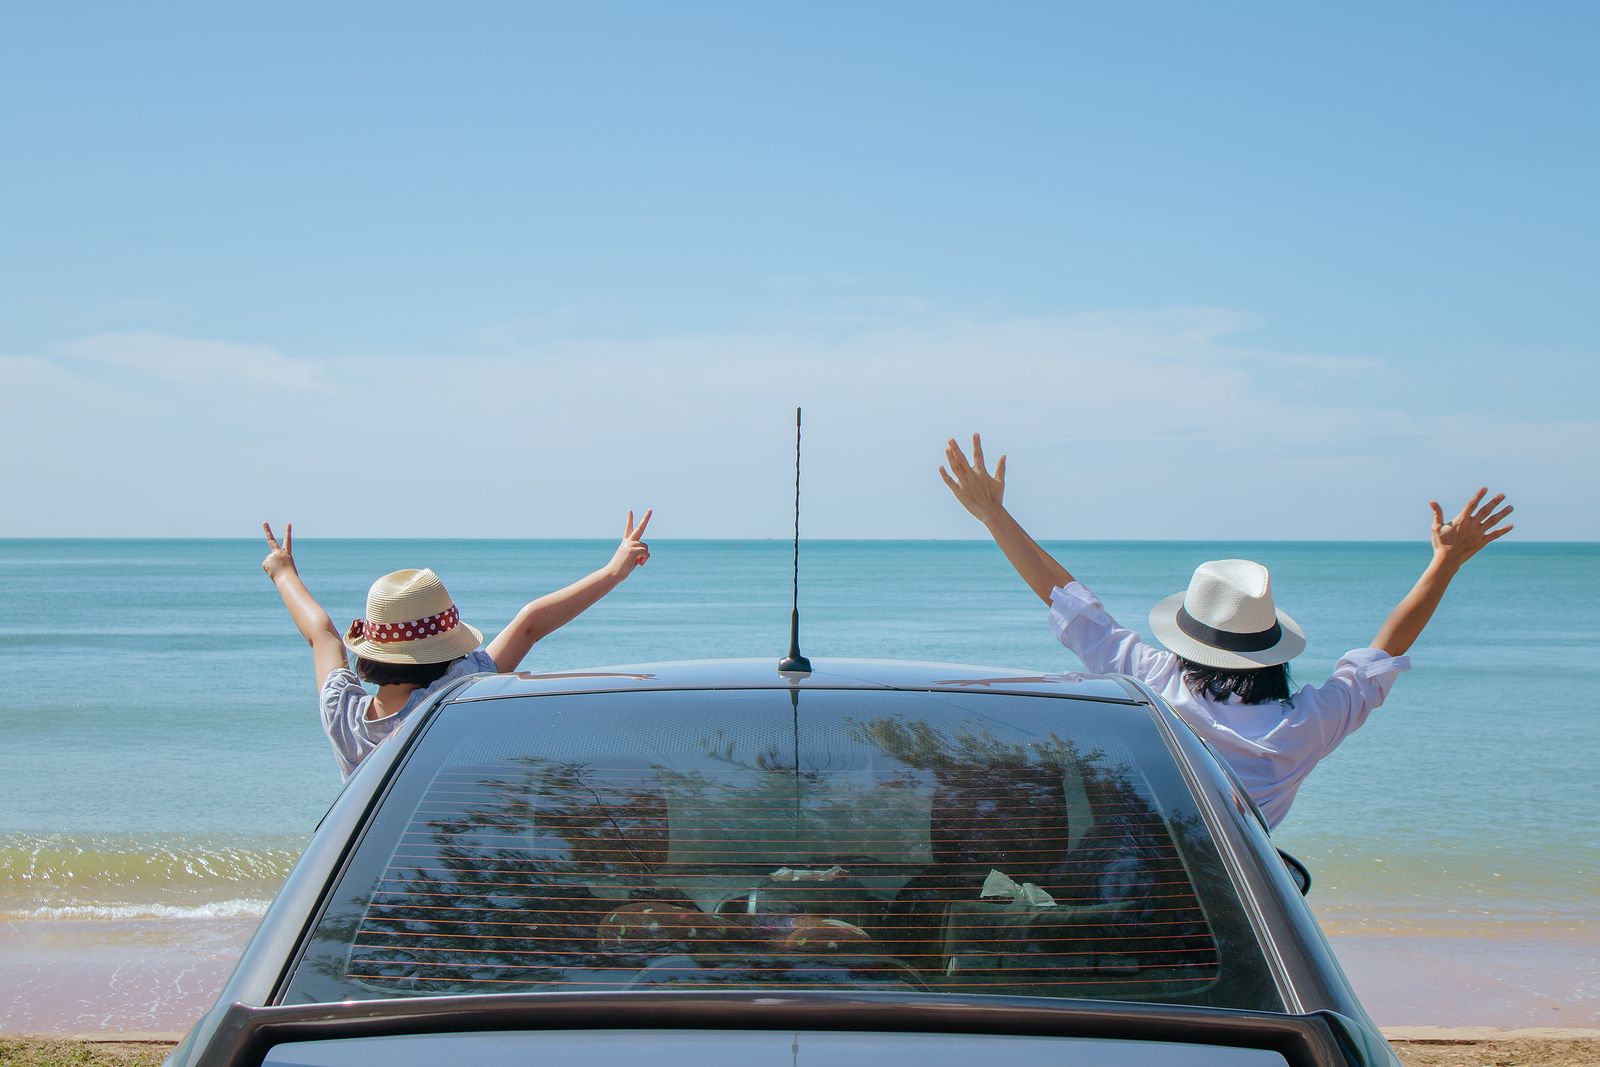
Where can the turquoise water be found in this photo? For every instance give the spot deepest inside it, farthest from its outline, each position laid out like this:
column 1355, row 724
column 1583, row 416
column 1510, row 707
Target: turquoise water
column 160, row 750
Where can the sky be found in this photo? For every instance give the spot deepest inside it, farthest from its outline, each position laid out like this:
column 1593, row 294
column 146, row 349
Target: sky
column 1202, row 271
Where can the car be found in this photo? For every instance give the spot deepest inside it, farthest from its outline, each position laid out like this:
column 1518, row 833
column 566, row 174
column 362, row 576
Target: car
column 716, row 862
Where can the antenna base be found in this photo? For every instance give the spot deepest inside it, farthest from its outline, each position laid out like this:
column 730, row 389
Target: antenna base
column 794, row 665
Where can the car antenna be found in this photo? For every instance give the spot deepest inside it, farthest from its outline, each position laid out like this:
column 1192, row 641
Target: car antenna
column 795, row 662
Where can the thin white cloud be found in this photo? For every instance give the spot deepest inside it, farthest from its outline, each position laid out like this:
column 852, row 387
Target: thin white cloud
column 191, row 362
column 1118, row 424
column 26, row 381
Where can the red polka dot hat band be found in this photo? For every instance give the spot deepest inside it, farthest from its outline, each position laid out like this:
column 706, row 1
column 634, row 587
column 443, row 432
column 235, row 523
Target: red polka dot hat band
column 387, row 633
column 410, row 618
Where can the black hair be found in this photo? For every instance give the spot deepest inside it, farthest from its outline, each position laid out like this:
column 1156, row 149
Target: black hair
column 420, row 674
column 1255, row 685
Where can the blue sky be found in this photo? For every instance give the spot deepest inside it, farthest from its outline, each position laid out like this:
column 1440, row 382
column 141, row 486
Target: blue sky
column 510, row 269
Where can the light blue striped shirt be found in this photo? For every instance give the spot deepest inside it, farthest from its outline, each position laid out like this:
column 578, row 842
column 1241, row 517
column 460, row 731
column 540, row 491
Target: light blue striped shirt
column 344, row 709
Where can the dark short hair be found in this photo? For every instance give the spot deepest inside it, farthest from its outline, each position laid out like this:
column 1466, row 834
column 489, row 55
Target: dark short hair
column 1256, row 685
column 378, row 673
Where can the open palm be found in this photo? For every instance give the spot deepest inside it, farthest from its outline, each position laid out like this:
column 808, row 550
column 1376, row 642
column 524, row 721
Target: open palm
column 978, row 491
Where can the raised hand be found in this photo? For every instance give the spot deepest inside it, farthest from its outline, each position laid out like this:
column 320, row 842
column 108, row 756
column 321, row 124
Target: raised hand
column 280, row 558
column 1457, row 540
column 632, row 552
column 1454, row 542
column 327, row 651
column 978, row 491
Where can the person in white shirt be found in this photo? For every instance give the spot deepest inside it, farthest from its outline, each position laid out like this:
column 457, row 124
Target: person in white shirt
column 1225, row 667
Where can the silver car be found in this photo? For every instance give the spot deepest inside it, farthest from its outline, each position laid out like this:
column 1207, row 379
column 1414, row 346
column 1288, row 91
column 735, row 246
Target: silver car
column 713, row 862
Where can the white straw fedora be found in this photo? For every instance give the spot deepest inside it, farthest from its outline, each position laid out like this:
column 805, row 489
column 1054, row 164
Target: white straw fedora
column 411, row 619
column 1226, row 619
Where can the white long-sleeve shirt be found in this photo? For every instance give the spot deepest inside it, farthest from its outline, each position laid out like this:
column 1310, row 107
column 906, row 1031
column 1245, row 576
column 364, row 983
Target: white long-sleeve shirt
column 1270, row 746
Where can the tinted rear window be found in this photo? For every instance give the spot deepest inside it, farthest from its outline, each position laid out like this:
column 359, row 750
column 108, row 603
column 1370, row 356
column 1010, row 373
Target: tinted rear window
column 966, row 843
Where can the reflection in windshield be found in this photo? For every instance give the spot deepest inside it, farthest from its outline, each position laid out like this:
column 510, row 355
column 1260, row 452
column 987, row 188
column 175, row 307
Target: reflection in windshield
column 952, row 855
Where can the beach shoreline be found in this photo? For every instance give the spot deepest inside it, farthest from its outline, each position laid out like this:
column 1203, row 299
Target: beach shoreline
column 1453, row 849
column 155, row 976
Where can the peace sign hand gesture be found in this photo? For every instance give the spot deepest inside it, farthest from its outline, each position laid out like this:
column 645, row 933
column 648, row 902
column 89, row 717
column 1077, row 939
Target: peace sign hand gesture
column 978, row 491
column 632, row 552
column 280, row 558
column 1457, row 540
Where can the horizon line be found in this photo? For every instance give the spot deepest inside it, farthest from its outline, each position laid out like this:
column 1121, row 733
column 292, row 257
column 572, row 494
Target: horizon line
column 803, row 540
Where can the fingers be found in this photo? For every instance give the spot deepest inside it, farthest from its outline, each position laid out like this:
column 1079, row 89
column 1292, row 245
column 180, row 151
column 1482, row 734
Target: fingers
column 961, row 470
column 956, row 458
column 638, row 535
column 272, row 541
column 1467, row 508
column 955, row 487
column 1493, row 519
column 1000, row 471
column 1475, row 525
column 627, row 528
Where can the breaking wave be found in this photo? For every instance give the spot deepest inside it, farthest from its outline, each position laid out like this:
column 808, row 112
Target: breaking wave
column 126, row 877
column 221, row 909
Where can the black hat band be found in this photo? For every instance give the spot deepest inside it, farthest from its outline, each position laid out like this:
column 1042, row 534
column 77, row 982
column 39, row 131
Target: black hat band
column 1228, row 640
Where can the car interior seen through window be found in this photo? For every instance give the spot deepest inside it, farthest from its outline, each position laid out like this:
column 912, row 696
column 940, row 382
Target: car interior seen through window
column 952, row 843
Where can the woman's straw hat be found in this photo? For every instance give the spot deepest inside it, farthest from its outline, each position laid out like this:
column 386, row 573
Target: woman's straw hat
column 1226, row 619
column 411, row 619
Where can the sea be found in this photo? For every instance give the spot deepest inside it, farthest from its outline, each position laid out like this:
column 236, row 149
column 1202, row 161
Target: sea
column 161, row 756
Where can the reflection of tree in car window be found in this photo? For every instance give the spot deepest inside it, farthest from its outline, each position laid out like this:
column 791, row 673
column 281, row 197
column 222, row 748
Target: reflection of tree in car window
column 862, row 851
column 490, row 882
column 1001, row 806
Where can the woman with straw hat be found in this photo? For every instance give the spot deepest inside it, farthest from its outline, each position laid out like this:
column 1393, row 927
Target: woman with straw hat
column 412, row 639
column 1225, row 667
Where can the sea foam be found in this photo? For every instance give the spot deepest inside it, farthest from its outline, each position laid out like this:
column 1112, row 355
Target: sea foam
column 241, row 908
column 124, row 877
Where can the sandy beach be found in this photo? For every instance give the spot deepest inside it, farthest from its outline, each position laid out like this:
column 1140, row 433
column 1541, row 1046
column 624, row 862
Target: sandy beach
column 114, row 976
column 1416, row 1048
column 1523, row 974
column 156, row 976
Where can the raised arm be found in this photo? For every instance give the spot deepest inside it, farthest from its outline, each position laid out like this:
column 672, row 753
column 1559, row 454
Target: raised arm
column 554, row 610
column 1454, row 542
column 327, row 651
column 982, row 494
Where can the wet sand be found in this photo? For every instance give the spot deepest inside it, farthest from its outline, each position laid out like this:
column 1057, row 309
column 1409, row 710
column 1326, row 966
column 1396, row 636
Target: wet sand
column 1527, row 975
column 157, row 975
column 1512, row 1048
column 114, row 976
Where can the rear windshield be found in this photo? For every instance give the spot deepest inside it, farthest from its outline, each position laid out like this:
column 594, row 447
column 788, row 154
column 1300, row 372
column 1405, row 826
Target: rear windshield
column 966, row 843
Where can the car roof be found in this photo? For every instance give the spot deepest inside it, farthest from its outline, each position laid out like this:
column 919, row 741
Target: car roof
column 826, row 673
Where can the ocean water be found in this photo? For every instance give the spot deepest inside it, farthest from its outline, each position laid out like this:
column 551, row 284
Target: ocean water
column 160, row 754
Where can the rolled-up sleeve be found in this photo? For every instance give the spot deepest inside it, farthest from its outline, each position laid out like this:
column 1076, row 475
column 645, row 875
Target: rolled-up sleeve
column 343, row 704
column 1081, row 623
column 1360, row 682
